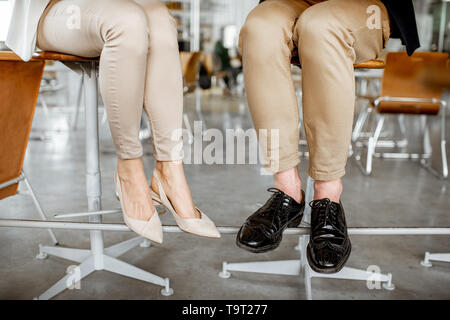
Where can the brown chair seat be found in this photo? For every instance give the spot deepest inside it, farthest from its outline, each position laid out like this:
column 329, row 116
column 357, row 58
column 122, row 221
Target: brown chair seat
column 403, row 78
column 19, row 88
column 369, row 64
column 396, row 107
column 190, row 68
column 45, row 55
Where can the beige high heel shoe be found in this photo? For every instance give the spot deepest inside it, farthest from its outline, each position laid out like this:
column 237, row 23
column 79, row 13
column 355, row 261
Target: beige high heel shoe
column 202, row 226
column 151, row 229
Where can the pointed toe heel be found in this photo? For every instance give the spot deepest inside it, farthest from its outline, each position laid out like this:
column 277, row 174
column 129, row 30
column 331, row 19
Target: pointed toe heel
column 202, row 226
column 150, row 229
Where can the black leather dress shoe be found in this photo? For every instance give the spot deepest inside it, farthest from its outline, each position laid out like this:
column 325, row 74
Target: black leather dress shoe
column 329, row 245
column 263, row 230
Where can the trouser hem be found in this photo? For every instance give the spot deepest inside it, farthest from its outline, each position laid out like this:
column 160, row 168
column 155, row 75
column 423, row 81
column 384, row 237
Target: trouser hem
column 284, row 164
column 166, row 159
column 325, row 176
column 128, row 155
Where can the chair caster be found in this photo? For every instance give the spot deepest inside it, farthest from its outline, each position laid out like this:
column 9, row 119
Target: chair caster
column 145, row 243
column 166, row 292
column 224, row 274
column 41, row 256
column 426, row 262
column 389, row 286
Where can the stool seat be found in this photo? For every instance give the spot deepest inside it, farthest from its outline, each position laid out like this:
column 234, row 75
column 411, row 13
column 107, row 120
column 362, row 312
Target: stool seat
column 45, row 55
column 49, row 55
column 369, row 64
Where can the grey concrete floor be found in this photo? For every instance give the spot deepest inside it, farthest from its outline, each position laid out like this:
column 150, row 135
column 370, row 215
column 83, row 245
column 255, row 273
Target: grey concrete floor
column 399, row 193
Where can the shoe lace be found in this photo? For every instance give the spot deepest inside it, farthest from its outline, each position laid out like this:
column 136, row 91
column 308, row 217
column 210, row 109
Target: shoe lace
column 279, row 203
column 326, row 215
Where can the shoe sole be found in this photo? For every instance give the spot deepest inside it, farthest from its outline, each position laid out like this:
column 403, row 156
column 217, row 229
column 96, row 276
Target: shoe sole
column 328, row 270
column 295, row 222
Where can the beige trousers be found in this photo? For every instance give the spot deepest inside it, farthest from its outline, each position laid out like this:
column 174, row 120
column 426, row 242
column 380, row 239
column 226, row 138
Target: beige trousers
column 330, row 36
column 139, row 65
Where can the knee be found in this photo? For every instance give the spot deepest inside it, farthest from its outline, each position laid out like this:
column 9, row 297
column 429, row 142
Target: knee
column 314, row 27
column 127, row 27
column 311, row 25
column 162, row 27
column 260, row 38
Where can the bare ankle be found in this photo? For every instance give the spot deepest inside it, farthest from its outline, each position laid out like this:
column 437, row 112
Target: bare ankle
column 328, row 189
column 127, row 167
column 168, row 168
column 165, row 164
column 289, row 182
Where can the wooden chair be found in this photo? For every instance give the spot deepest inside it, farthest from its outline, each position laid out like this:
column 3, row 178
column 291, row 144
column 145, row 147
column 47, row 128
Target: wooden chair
column 403, row 92
column 211, row 62
column 190, row 66
column 207, row 61
column 19, row 88
column 369, row 64
column 20, row 84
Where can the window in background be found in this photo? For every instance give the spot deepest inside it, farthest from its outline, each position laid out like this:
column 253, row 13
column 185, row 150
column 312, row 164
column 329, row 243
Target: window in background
column 230, row 34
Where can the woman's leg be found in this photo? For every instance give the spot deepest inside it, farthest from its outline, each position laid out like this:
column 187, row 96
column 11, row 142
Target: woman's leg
column 117, row 31
column 163, row 102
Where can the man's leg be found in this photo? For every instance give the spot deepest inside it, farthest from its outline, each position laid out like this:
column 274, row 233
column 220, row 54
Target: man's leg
column 266, row 46
column 331, row 37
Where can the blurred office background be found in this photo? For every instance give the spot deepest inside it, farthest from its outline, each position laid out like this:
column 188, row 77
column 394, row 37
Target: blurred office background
column 399, row 192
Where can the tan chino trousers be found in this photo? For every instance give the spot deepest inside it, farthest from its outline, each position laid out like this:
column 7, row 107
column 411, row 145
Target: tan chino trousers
column 139, row 65
column 330, row 37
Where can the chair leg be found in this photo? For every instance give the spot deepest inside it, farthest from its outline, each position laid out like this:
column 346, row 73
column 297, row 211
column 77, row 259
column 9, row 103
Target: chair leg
column 78, row 105
column 426, row 161
column 359, row 124
column 443, row 144
column 145, row 128
column 128, row 270
column 39, row 207
column 283, row 267
column 85, row 268
column 427, row 149
column 71, row 254
column 442, row 257
column 44, row 107
column 122, row 247
column 372, row 143
column 401, row 124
